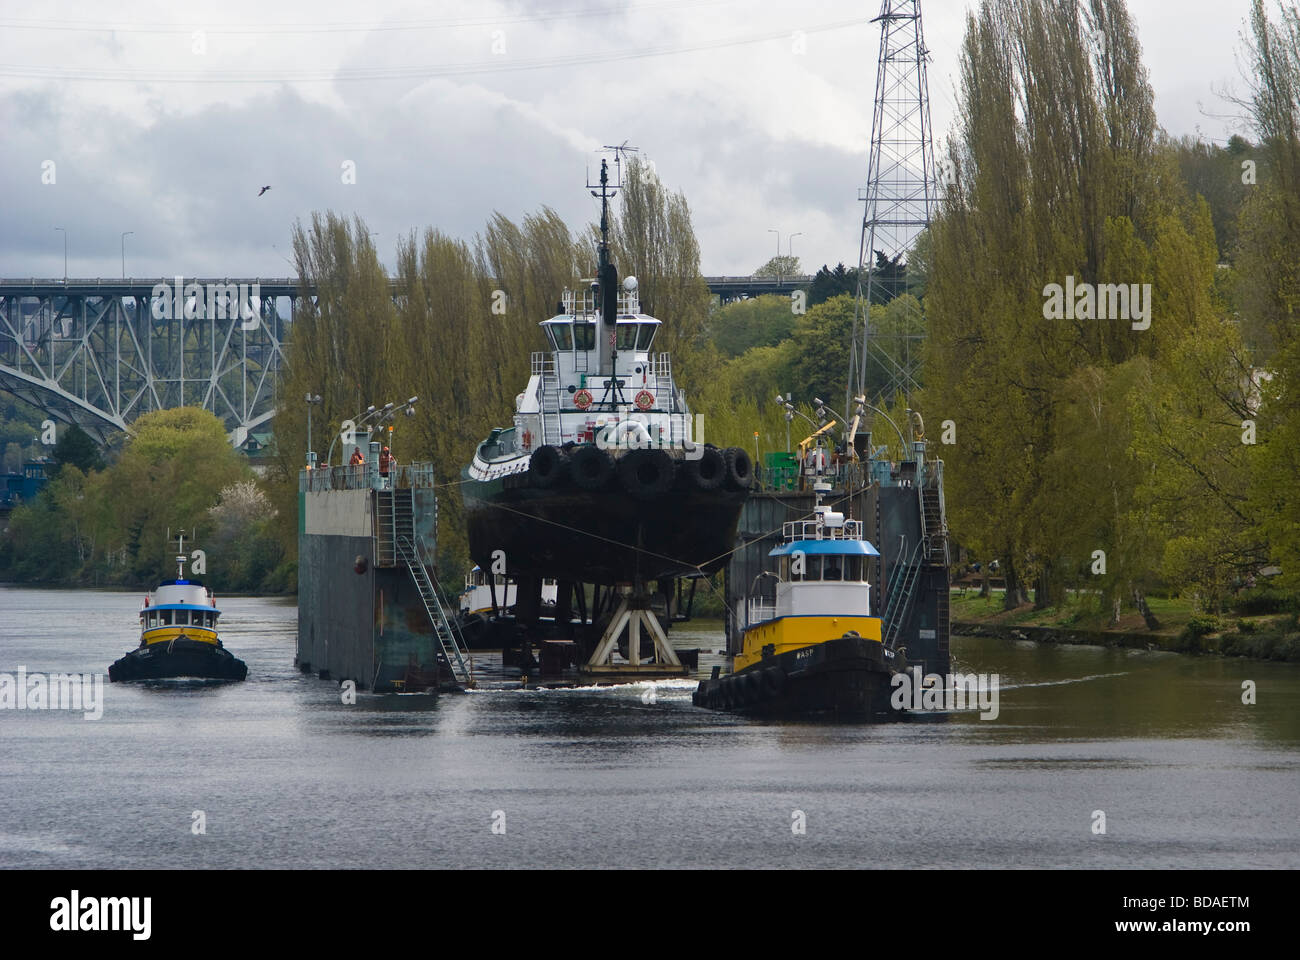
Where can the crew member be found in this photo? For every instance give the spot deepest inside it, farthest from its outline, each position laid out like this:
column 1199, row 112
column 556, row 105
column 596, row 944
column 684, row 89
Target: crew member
column 357, row 458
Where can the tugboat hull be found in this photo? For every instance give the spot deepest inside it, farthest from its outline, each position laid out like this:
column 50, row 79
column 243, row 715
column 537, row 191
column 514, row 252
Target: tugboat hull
column 847, row 678
column 180, row 658
column 603, row 537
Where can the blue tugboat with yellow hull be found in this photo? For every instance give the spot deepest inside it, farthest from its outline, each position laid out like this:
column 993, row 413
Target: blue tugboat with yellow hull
column 812, row 646
column 178, row 636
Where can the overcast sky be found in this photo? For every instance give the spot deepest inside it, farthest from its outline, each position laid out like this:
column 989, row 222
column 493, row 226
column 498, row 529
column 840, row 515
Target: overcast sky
column 478, row 106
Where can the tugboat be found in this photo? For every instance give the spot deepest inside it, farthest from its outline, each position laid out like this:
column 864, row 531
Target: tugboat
column 812, row 646
column 178, row 635
column 601, row 479
column 487, row 609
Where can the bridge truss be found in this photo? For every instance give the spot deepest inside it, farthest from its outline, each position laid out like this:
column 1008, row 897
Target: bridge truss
column 101, row 353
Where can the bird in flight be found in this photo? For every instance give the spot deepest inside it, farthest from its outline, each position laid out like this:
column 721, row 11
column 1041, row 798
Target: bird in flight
column 263, row 190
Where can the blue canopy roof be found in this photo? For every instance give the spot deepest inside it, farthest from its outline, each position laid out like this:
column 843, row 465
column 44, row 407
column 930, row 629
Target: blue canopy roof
column 842, row 548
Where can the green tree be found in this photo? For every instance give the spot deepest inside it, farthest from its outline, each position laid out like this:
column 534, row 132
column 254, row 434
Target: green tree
column 762, row 321
column 780, row 266
column 75, row 447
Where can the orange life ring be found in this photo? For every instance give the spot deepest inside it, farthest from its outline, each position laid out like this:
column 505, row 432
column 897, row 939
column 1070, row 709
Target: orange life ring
column 582, row 399
column 645, row 400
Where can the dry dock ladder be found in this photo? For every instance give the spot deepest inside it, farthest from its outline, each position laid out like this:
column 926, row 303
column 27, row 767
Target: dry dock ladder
column 395, row 542
column 451, row 643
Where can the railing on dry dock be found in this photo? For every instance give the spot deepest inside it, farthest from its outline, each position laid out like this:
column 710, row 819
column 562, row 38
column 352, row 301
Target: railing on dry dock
column 366, row 476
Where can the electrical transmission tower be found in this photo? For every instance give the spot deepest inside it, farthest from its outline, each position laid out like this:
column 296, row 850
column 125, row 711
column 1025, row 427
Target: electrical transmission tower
column 901, row 192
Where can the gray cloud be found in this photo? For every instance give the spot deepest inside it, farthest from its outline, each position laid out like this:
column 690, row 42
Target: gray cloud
column 756, row 136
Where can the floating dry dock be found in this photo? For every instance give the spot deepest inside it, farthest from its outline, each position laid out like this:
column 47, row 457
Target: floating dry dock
column 370, row 609
column 902, row 508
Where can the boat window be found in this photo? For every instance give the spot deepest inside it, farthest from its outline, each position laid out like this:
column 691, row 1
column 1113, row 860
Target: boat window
column 853, row 568
column 151, row 619
column 182, row 617
column 627, row 336
column 645, row 336
column 561, row 335
column 165, row 617
column 584, row 336
column 833, row 569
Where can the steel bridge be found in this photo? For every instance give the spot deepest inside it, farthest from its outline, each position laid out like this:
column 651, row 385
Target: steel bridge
column 100, row 353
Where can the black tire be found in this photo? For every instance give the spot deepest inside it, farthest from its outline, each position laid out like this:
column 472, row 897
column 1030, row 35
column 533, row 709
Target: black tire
column 646, row 474
column 591, row 468
column 773, row 680
column 709, row 471
column 753, row 687
column 546, row 467
column 740, row 469
column 726, row 693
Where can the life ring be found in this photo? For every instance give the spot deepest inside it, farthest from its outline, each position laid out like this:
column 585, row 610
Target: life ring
column 644, row 400
column 582, row 399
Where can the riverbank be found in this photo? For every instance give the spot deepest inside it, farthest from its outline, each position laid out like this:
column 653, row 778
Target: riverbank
column 1182, row 630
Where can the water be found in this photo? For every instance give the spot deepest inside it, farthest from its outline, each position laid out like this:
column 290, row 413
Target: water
column 288, row 776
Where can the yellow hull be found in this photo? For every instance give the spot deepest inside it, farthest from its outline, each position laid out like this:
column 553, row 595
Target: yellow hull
column 168, row 634
column 792, row 633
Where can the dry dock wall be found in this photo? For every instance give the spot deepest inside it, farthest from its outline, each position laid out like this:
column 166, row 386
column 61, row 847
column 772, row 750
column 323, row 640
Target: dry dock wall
column 369, row 627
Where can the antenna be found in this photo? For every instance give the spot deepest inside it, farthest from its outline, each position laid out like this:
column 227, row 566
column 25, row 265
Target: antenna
column 901, row 193
column 619, row 151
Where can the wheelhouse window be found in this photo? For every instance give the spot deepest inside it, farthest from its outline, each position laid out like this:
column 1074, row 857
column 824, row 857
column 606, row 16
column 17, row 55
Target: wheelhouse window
column 584, row 336
column 646, row 335
column 182, row 618
column 165, row 617
column 561, row 335
column 627, row 336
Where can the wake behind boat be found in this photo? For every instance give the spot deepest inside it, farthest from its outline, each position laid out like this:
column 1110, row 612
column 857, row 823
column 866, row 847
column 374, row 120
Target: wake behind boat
column 178, row 636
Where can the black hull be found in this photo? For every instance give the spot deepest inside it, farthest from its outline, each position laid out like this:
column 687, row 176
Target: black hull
column 605, row 536
column 847, row 678
column 181, row 658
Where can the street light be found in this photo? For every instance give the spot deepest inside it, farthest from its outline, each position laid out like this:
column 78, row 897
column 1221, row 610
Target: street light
column 65, row 252
column 124, row 236
column 311, row 400
column 823, row 410
column 384, row 413
column 789, row 244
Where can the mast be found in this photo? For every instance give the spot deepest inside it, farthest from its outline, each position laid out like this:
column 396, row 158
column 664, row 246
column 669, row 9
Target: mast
column 606, row 279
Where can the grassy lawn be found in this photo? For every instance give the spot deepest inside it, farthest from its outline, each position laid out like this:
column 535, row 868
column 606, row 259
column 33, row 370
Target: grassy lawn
column 1081, row 611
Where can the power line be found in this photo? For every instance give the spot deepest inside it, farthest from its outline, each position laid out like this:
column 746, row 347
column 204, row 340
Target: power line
column 497, row 65
column 235, row 29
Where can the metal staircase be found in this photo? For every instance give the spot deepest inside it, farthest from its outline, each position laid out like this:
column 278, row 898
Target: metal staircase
column 544, row 366
column 452, row 645
column 902, row 588
column 934, row 525
column 386, row 526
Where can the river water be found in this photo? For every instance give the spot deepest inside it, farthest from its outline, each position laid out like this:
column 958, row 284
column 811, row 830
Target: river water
column 286, row 775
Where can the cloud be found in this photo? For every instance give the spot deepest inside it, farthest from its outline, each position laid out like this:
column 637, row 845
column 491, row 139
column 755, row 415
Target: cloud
column 757, row 136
